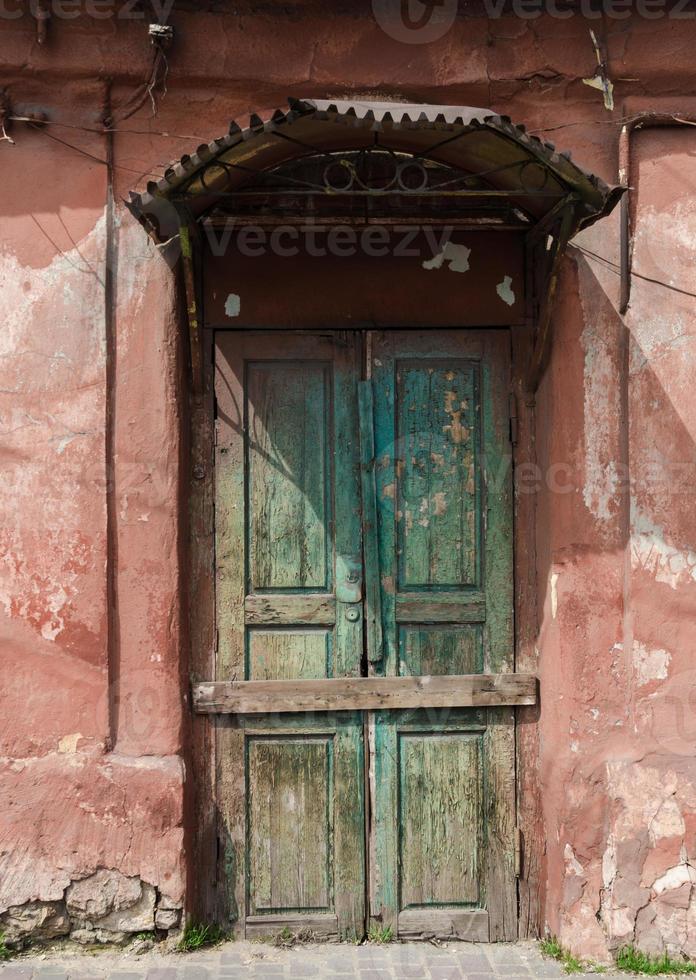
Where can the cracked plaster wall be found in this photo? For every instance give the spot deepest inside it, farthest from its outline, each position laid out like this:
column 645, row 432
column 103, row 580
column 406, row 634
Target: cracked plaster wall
column 93, row 732
column 617, row 586
column 91, row 719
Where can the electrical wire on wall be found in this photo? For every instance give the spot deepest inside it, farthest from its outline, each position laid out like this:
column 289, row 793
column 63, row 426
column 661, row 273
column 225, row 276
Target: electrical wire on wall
column 161, row 36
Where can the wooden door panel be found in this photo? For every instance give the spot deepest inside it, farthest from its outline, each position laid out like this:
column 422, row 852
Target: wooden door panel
column 442, row 847
column 286, row 654
column 288, row 473
column 437, row 492
column 304, row 825
column 446, row 649
column 289, row 590
column 288, row 534
column 440, row 815
column 290, row 795
column 443, row 486
column 449, row 771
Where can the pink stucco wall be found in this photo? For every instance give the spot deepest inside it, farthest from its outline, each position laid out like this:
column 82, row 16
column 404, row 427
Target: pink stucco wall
column 93, row 719
column 616, row 579
column 94, row 715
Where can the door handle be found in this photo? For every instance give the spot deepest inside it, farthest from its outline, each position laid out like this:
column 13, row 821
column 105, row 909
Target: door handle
column 373, row 593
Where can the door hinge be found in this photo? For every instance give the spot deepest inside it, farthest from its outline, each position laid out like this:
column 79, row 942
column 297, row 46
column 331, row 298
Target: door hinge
column 513, row 418
column 518, row 852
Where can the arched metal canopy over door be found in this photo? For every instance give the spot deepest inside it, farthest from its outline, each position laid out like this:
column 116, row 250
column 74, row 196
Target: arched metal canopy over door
column 472, row 140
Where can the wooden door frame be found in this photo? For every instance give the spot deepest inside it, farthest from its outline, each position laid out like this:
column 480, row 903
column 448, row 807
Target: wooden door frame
column 208, row 870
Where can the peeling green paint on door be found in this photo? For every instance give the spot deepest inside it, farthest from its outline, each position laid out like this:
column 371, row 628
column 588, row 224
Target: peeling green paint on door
column 289, row 606
column 366, row 525
column 445, row 554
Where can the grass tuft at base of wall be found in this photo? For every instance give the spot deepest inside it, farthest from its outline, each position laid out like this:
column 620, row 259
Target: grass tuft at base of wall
column 633, row 961
column 197, row 935
column 628, row 960
column 570, row 963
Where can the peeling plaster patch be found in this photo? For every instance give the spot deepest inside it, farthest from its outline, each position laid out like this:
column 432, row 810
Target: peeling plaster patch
column 650, row 665
column 572, row 864
column 657, row 336
column 681, row 874
column 45, row 553
column 232, row 305
column 81, row 302
column 676, row 237
column 504, row 290
column 654, row 337
column 66, row 440
column 622, row 922
column 601, row 486
column 68, row 743
column 456, row 257
column 652, row 553
column 602, row 483
column 667, row 822
column 640, row 792
column 554, row 594
column 647, row 881
column 609, row 863
column 140, row 250
column 56, row 602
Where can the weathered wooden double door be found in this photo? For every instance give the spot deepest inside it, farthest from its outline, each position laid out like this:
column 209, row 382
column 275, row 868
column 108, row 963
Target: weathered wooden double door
column 363, row 528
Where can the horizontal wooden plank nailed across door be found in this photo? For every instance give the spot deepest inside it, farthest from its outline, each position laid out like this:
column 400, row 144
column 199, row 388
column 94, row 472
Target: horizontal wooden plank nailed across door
column 364, row 693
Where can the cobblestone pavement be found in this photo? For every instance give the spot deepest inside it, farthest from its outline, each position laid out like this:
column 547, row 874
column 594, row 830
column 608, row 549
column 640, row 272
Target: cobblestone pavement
column 257, row 961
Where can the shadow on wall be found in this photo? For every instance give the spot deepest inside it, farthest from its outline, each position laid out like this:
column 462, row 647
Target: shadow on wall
column 616, row 565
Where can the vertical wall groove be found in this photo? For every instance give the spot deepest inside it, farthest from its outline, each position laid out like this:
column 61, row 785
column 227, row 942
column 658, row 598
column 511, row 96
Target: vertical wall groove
column 110, row 260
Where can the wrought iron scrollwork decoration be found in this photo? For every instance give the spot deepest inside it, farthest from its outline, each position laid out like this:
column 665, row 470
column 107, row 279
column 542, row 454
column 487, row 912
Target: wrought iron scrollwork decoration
column 373, row 171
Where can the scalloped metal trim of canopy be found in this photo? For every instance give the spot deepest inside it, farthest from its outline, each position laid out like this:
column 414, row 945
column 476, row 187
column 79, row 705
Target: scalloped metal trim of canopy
column 530, row 172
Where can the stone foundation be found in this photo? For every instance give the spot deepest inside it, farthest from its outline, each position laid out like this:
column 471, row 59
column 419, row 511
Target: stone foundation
column 105, row 907
column 91, row 848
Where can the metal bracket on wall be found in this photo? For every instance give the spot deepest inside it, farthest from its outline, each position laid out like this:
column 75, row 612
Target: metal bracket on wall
column 188, row 234
column 545, row 246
